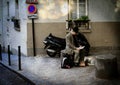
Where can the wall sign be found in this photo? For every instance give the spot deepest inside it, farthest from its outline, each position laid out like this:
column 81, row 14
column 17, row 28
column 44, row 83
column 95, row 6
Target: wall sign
column 32, row 1
column 32, row 9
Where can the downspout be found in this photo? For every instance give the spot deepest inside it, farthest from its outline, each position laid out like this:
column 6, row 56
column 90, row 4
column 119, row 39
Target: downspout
column 2, row 25
column 68, row 9
column 68, row 15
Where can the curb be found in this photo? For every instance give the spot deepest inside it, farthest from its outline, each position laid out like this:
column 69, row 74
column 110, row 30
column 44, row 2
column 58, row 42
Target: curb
column 18, row 74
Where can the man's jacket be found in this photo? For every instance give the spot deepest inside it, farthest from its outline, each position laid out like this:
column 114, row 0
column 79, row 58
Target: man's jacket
column 70, row 45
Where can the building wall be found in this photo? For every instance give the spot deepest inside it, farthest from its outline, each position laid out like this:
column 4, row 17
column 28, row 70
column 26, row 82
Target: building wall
column 52, row 16
column 101, row 35
column 104, row 34
column 10, row 35
column 42, row 30
column 103, row 11
column 104, row 26
column 1, row 22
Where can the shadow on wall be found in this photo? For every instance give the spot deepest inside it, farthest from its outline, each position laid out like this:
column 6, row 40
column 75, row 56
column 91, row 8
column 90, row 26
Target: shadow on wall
column 117, row 16
column 117, row 33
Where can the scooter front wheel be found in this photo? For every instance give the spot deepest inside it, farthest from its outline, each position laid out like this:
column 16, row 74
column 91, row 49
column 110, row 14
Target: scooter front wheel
column 51, row 53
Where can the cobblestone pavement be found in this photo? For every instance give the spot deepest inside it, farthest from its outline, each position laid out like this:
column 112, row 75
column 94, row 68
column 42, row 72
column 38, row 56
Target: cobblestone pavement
column 7, row 77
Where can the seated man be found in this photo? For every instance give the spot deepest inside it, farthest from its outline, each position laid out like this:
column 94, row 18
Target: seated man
column 73, row 46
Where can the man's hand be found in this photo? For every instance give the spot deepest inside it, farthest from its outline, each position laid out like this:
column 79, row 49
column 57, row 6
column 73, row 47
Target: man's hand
column 81, row 47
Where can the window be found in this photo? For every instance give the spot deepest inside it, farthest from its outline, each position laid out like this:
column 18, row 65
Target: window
column 16, row 20
column 77, row 8
column 78, row 14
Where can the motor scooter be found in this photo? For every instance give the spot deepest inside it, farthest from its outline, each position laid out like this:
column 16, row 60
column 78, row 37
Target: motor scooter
column 54, row 45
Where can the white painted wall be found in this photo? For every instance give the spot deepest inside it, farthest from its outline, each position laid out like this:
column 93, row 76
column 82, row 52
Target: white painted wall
column 51, row 11
column 99, row 11
column 0, row 22
column 10, row 35
column 103, row 11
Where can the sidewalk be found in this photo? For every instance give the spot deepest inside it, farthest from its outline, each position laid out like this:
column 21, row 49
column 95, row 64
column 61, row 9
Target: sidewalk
column 44, row 70
column 8, row 77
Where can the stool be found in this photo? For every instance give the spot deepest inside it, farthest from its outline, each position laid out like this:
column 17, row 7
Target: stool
column 106, row 66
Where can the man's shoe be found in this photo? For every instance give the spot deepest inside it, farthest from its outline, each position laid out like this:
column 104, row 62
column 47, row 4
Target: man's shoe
column 82, row 64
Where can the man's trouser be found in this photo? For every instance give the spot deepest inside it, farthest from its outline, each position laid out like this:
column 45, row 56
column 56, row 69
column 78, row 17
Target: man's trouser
column 79, row 55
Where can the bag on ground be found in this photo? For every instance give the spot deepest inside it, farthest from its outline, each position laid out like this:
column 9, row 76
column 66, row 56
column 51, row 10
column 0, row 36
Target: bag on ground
column 67, row 61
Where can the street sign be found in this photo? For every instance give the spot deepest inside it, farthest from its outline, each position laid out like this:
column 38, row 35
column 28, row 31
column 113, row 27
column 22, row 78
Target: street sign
column 33, row 16
column 32, row 9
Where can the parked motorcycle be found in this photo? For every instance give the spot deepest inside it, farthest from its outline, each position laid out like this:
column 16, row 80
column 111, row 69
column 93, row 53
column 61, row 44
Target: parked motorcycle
column 54, row 45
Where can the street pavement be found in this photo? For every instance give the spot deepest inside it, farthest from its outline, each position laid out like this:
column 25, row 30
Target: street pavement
column 44, row 70
column 8, row 77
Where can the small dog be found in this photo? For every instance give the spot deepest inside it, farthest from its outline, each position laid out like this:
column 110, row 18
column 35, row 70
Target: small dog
column 90, row 60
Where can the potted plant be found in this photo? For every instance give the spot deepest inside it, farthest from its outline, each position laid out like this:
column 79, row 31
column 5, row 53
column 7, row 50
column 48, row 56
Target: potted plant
column 81, row 21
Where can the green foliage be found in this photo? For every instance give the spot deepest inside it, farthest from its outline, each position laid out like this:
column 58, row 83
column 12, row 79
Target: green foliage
column 83, row 18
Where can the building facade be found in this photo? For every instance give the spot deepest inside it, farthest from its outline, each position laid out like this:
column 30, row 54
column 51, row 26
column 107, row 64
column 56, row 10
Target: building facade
column 16, row 27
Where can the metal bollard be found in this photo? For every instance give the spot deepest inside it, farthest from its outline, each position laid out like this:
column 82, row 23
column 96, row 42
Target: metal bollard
column 19, row 57
column 9, row 60
column 0, row 52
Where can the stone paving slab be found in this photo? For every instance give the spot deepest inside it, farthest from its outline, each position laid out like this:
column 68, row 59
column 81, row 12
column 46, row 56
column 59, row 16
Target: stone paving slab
column 44, row 70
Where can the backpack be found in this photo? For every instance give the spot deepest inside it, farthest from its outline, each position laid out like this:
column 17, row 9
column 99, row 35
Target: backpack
column 67, row 61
